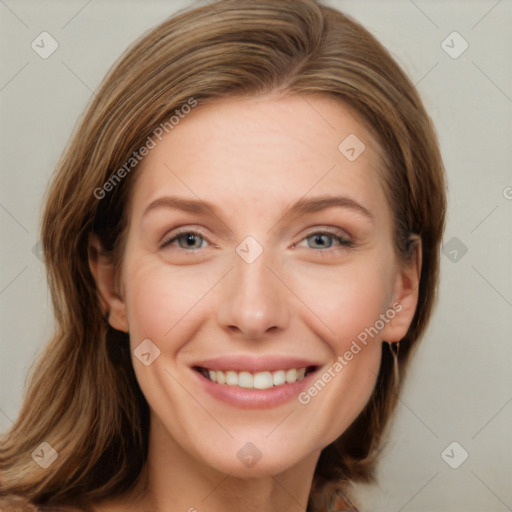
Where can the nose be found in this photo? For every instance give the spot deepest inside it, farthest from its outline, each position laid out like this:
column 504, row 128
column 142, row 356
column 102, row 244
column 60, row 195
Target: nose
column 253, row 300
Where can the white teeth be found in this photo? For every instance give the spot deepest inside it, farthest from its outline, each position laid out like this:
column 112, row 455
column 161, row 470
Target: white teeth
column 245, row 380
column 279, row 377
column 232, row 378
column 263, row 380
column 291, row 375
column 260, row 380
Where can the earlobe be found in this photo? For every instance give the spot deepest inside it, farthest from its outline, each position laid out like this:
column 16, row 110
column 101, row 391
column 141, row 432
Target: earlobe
column 102, row 269
column 405, row 294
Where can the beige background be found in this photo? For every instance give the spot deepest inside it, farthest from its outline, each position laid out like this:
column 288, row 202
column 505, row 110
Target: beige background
column 460, row 386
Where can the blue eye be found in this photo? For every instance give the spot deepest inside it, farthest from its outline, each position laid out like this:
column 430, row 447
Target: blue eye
column 321, row 240
column 188, row 240
column 325, row 240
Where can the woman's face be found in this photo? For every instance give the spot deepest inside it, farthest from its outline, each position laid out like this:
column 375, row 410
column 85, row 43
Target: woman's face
column 260, row 252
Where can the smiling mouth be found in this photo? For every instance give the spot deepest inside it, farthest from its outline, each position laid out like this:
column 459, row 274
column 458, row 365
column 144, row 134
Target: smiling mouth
column 258, row 380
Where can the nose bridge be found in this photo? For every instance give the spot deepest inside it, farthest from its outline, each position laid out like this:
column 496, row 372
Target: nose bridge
column 253, row 299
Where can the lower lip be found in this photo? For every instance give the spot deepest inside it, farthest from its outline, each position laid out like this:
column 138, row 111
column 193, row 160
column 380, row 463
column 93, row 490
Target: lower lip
column 255, row 398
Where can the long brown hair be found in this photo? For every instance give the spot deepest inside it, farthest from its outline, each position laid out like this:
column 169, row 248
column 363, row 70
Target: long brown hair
column 82, row 397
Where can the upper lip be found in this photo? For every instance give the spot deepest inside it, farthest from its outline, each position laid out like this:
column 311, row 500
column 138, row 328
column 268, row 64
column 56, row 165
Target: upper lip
column 240, row 363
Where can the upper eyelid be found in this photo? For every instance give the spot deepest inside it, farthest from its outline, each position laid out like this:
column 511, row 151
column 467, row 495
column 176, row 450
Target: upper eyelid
column 343, row 238
column 328, row 230
column 333, row 231
column 311, row 231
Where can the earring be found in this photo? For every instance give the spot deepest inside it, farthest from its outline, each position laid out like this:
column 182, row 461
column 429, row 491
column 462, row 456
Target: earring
column 394, row 347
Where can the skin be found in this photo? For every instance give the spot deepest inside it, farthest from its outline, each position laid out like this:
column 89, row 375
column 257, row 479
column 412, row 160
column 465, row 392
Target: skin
column 308, row 296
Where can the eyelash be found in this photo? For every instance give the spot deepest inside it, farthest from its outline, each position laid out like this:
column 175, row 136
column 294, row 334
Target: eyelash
column 181, row 234
column 336, row 235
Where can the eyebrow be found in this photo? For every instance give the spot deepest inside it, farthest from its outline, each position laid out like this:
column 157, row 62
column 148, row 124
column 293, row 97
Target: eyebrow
column 300, row 207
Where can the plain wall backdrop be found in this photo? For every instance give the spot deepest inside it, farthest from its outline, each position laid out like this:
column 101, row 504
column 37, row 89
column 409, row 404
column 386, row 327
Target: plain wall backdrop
column 459, row 55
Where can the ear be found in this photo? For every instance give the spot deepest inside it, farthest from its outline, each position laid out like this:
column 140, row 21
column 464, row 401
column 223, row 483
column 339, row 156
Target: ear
column 102, row 269
column 405, row 294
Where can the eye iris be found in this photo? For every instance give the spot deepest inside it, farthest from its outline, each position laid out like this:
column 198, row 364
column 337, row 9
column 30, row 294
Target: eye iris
column 323, row 240
column 191, row 241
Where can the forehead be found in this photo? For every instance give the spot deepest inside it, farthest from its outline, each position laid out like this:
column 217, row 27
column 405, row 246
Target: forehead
column 261, row 152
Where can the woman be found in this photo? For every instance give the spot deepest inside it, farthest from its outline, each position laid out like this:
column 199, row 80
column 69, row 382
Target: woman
column 242, row 244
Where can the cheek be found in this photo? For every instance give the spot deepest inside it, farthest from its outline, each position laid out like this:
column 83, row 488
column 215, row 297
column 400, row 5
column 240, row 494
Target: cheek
column 346, row 299
column 150, row 304
column 159, row 297
column 344, row 306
